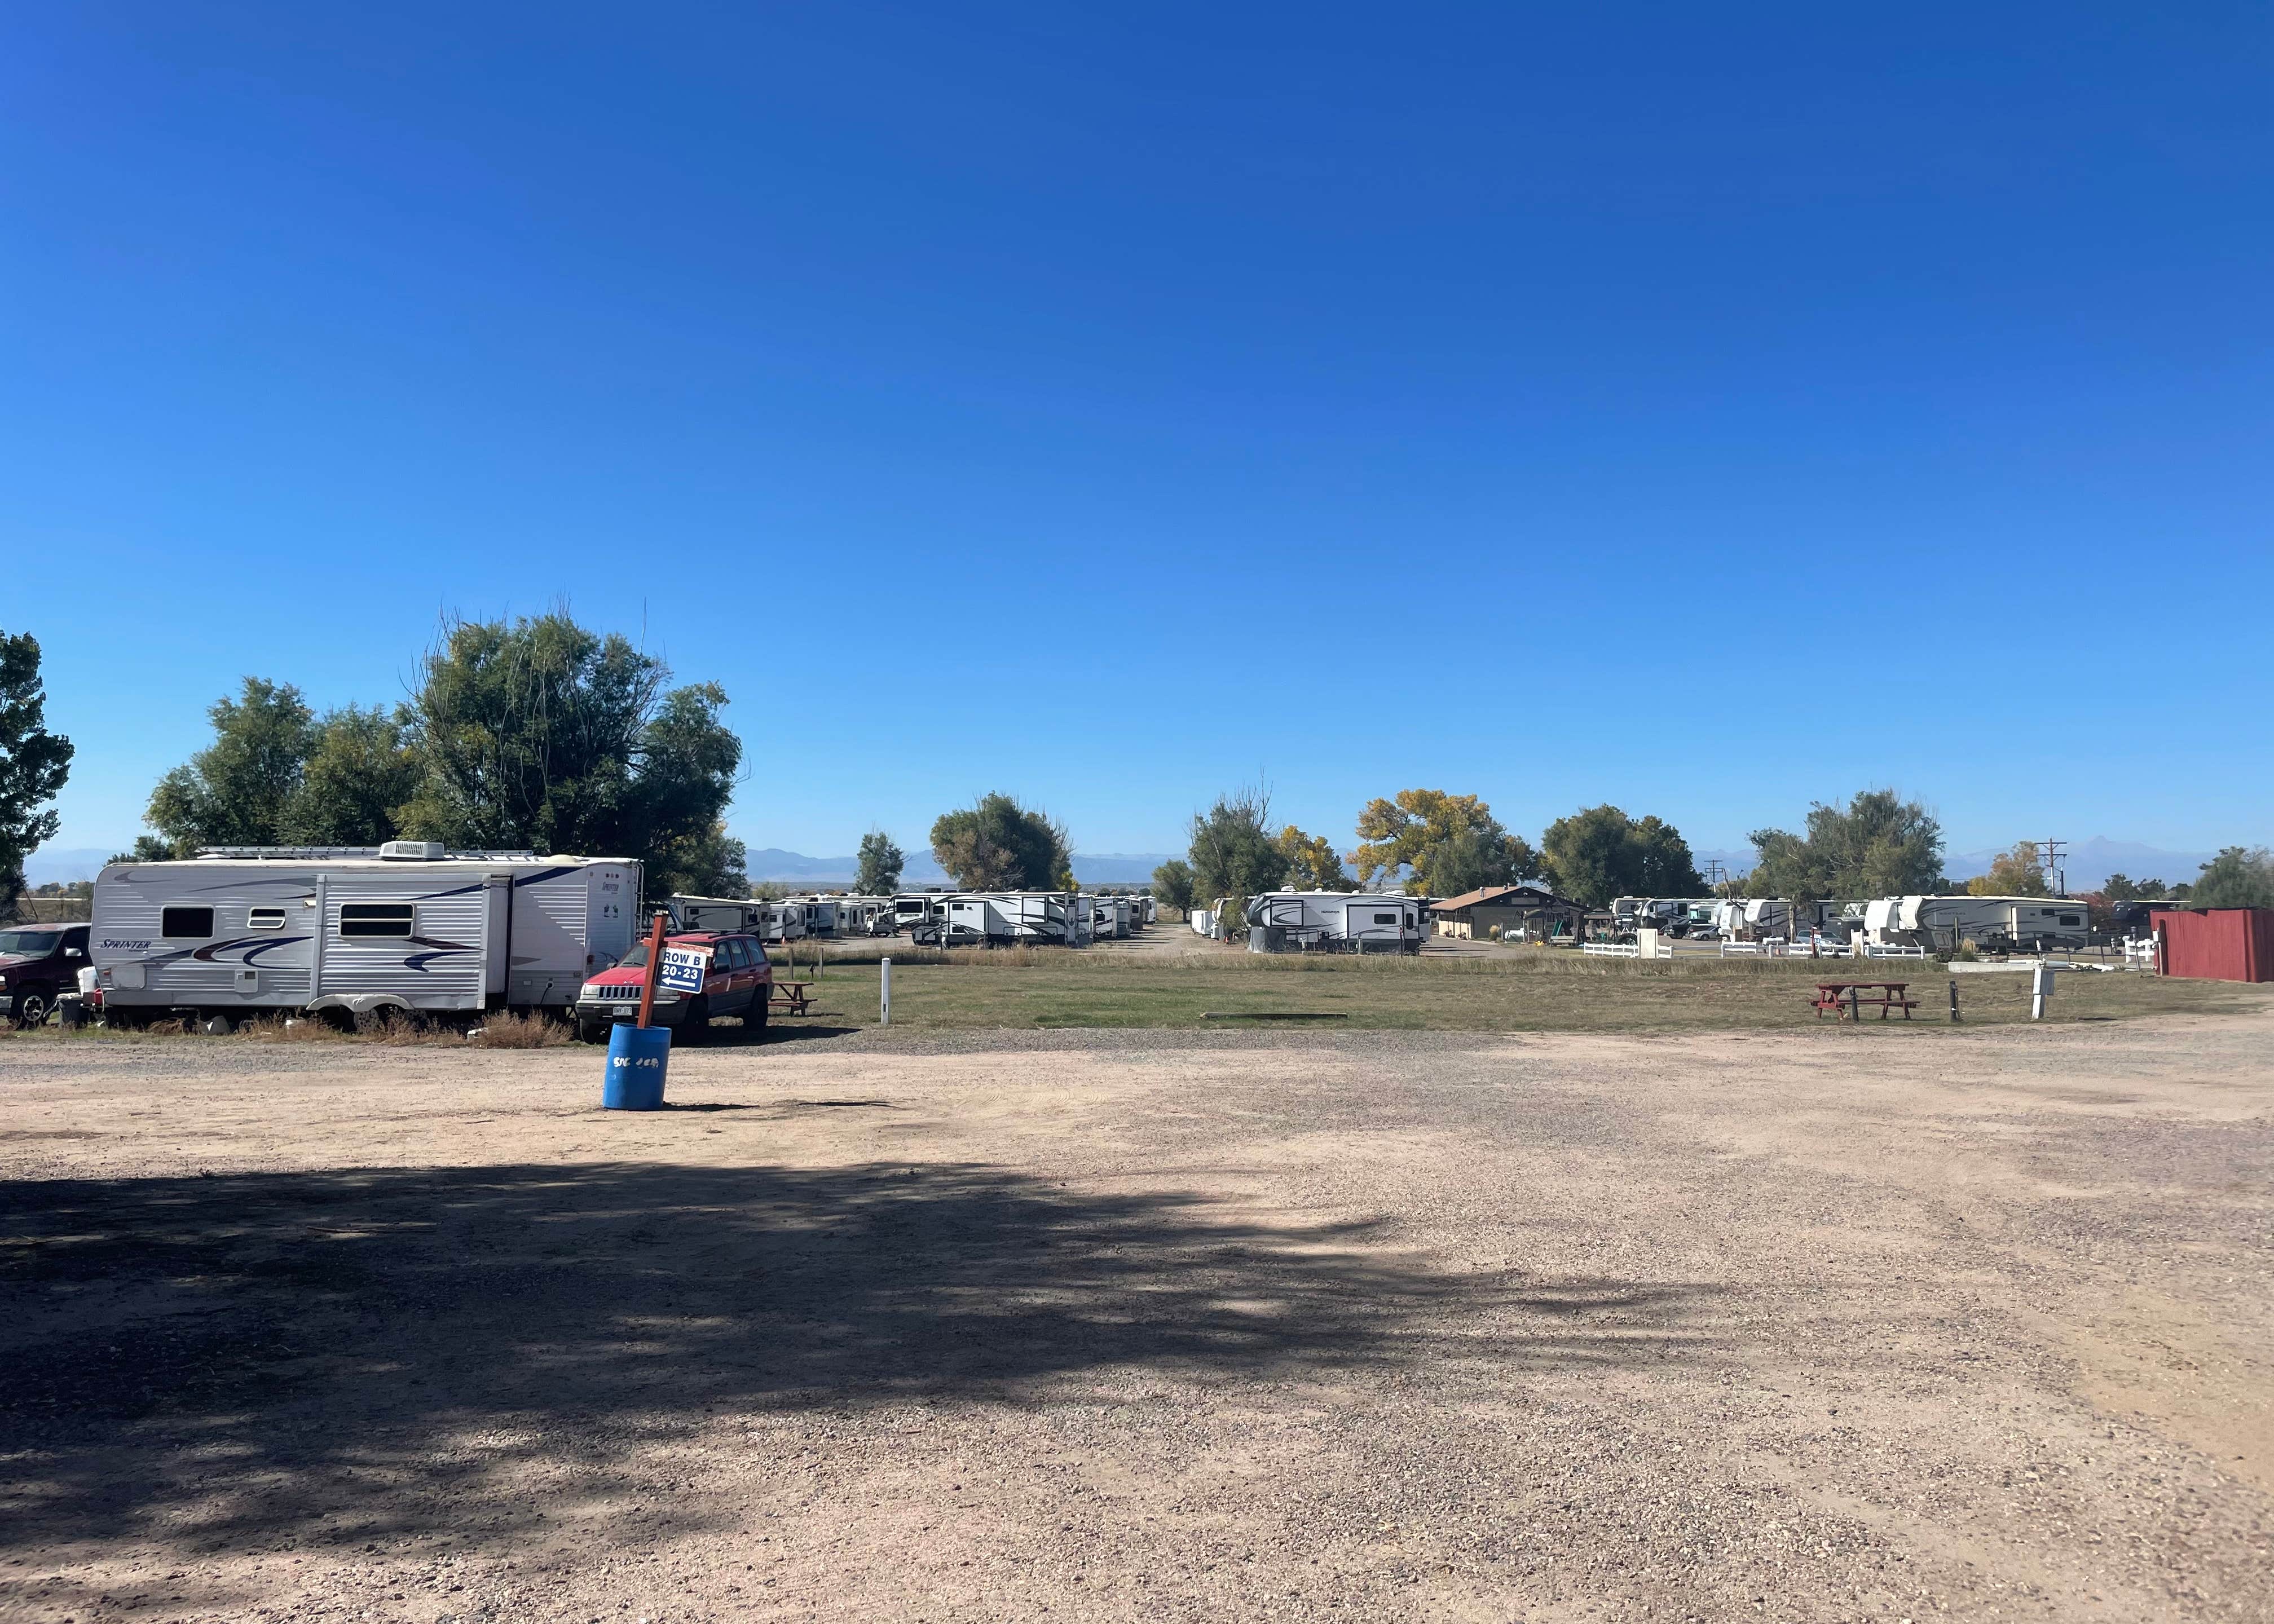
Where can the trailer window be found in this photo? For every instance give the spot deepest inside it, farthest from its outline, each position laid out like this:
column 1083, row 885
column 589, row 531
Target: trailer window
column 2072, row 919
column 186, row 924
column 264, row 919
column 1385, row 919
column 397, row 919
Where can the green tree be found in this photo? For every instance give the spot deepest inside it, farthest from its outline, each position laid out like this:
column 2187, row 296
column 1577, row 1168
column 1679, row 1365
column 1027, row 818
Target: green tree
column 2121, row 888
column 34, row 764
column 2238, row 877
column 881, row 863
column 359, row 774
column 1232, row 854
column 1313, row 863
column 539, row 734
column 1444, row 843
column 995, row 843
column 1879, row 845
column 1172, row 885
column 234, row 791
column 2017, row 873
column 1599, row 852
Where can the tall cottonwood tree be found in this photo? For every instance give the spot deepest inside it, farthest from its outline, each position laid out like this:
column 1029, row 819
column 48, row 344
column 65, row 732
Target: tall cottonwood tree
column 35, row 763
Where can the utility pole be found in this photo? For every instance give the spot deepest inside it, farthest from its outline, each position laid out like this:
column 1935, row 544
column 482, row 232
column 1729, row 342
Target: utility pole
column 2049, row 855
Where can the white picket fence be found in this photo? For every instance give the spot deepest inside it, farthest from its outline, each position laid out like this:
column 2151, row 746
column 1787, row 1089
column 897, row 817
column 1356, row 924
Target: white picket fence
column 1873, row 950
column 1610, row 950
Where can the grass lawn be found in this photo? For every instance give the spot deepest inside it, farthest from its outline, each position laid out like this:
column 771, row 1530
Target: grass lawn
column 1544, row 991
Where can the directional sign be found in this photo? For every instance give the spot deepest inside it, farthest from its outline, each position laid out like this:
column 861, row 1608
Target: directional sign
column 684, row 968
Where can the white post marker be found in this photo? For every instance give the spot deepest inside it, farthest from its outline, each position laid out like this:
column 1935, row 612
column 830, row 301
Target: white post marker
column 2041, row 988
column 884, row 995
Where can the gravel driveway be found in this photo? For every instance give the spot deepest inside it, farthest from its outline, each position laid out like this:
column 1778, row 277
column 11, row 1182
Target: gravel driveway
column 1135, row 1325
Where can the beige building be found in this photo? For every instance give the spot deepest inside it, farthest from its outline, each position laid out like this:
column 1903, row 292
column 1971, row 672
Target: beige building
column 1508, row 910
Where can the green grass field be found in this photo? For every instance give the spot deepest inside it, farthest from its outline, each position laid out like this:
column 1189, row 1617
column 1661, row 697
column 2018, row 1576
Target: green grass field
column 1546, row 991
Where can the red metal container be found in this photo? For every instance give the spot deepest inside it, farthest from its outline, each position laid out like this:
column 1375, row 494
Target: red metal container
column 2216, row 944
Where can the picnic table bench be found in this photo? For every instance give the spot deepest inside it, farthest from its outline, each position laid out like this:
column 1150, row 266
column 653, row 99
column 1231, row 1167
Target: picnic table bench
column 792, row 997
column 1847, row 1000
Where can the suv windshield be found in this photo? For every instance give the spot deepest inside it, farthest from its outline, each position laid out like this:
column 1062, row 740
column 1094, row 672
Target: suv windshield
column 31, row 942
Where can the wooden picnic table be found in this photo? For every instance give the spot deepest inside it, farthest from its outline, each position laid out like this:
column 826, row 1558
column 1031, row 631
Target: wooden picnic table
column 792, row 997
column 1848, row 1002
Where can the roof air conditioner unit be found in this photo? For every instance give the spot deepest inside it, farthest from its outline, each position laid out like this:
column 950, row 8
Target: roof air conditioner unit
column 412, row 851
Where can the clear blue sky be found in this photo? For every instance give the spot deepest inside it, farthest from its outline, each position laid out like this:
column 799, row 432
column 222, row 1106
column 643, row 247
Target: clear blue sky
column 1704, row 409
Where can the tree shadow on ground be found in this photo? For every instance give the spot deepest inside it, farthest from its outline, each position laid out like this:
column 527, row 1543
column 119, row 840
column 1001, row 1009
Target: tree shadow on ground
column 238, row 1341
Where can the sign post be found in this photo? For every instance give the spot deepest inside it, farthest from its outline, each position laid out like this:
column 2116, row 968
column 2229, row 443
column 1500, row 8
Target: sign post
column 654, row 962
column 884, row 995
column 2041, row 988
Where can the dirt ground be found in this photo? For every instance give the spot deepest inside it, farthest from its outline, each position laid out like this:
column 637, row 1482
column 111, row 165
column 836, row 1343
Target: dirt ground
column 1797, row 1325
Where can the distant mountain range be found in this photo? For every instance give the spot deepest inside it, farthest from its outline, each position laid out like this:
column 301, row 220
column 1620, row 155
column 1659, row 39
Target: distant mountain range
column 2088, row 863
column 1091, row 868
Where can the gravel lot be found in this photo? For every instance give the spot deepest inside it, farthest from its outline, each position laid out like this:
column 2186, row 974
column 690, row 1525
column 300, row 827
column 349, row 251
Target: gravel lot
column 1804, row 1326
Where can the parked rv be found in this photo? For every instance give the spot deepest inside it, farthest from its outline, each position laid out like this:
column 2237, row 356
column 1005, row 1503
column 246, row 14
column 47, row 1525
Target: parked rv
column 1995, row 924
column 911, row 908
column 1007, row 919
column 351, row 932
column 1333, row 921
column 747, row 914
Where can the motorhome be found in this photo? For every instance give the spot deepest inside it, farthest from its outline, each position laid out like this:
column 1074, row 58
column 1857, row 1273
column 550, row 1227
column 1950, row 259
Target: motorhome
column 1333, row 921
column 1995, row 924
column 348, row 932
column 1005, row 919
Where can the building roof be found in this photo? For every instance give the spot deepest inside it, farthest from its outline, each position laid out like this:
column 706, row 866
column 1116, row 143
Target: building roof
column 1500, row 895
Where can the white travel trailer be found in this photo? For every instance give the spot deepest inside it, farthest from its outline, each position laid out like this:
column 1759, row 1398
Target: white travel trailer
column 859, row 917
column 1995, row 924
column 1003, row 918
column 783, row 921
column 1333, row 921
column 816, row 916
column 744, row 915
column 349, row 932
column 911, row 908
column 1203, row 922
column 1111, row 915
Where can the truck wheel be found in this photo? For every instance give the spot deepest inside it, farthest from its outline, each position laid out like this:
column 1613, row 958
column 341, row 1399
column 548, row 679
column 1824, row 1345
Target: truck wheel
column 31, row 1009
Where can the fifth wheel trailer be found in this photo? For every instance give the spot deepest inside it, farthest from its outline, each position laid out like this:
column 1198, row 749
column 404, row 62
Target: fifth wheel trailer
column 1995, row 924
column 1334, row 922
column 1001, row 919
column 347, row 932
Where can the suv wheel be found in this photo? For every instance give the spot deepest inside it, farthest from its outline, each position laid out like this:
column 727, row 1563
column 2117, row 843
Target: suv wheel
column 695, row 1026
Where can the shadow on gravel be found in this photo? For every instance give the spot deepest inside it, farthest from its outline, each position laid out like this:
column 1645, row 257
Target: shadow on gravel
column 295, row 1351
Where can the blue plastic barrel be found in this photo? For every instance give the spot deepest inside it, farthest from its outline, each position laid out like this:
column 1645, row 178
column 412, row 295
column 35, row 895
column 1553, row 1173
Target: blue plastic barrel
column 637, row 1058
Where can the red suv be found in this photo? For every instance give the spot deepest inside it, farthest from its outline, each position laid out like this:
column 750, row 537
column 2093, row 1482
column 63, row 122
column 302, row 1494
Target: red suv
column 740, row 982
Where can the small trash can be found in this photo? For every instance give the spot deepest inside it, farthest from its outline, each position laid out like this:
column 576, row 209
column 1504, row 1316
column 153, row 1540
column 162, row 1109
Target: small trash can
column 637, row 1058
